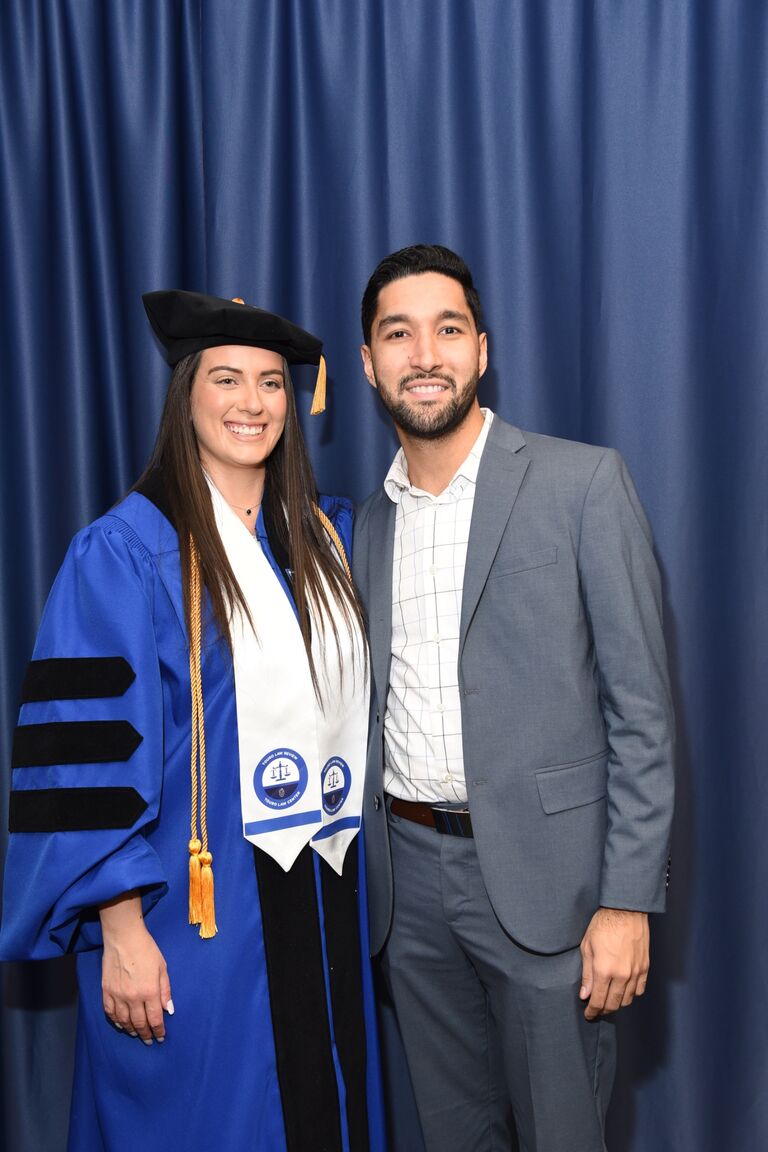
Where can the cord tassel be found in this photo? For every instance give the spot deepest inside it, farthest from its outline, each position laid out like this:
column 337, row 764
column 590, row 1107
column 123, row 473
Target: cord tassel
column 195, row 889
column 208, row 920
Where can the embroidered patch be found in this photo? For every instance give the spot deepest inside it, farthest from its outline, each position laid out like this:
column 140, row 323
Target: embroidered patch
column 280, row 779
column 337, row 781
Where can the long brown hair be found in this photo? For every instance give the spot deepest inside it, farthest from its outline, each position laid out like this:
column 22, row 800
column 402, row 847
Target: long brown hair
column 291, row 491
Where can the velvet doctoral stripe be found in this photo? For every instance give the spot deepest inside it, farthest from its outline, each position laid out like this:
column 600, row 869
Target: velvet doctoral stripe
column 342, row 934
column 74, row 742
column 76, row 678
column 293, row 948
column 73, row 809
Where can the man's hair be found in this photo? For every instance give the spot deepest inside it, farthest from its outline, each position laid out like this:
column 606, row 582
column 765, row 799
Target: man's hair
column 412, row 262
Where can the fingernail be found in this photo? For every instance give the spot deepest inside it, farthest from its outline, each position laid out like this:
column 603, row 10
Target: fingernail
column 147, row 1042
column 161, row 1039
column 118, row 1026
column 169, row 1008
column 133, row 1033
column 582, row 992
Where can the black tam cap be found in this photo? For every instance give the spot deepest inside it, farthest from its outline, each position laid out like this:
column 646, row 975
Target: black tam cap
column 187, row 322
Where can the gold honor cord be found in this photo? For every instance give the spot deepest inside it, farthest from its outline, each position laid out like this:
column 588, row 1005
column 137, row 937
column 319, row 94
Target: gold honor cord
column 201, row 902
column 326, row 523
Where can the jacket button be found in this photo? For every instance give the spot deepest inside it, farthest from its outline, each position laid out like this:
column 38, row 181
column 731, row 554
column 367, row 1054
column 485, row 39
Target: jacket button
column 376, row 803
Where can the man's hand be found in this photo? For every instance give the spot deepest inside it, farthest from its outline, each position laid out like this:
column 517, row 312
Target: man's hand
column 615, row 960
column 134, row 979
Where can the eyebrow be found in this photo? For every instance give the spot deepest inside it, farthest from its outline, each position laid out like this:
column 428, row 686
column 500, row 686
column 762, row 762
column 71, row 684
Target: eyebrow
column 239, row 372
column 402, row 318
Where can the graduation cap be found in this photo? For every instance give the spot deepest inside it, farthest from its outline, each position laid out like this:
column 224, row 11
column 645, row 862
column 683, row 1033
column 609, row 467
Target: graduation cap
column 187, row 322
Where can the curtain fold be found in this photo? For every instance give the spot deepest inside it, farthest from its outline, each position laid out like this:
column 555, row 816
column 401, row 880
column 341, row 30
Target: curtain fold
column 603, row 168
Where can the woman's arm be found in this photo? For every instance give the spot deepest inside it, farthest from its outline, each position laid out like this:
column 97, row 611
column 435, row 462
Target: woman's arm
column 134, row 978
column 93, row 695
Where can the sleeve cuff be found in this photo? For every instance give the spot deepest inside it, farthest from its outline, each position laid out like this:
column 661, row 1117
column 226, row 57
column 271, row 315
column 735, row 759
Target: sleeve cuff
column 75, row 924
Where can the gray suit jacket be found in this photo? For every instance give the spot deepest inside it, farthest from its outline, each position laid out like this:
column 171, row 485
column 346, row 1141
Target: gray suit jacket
column 566, row 715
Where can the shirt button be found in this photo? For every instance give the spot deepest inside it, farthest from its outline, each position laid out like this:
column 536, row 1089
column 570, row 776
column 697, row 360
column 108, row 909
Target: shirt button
column 432, row 570
column 447, row 779
column 436, row 638
column 441, row 707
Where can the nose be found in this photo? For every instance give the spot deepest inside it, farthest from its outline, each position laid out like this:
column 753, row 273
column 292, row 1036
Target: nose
column 249, row 398
column 425, row 354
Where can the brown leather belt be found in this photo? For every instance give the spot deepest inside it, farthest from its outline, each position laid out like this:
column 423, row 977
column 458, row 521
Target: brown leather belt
column 448, row 821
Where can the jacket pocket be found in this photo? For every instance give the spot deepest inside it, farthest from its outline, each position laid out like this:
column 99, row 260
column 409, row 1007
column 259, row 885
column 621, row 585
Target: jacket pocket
column 573, row 785
column 538, row 559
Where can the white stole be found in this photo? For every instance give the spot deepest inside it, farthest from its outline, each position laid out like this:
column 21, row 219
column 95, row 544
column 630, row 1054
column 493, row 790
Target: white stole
column 301, row 766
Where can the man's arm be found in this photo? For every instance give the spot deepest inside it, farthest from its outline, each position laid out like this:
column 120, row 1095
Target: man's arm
column 622, row 593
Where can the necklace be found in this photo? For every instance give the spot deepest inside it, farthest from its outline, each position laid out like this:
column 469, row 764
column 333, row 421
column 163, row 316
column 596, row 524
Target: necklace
column 248, row 511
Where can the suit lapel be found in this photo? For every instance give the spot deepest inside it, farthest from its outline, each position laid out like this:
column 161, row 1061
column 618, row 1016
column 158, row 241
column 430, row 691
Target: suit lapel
column 381, row 530
column 501, row 472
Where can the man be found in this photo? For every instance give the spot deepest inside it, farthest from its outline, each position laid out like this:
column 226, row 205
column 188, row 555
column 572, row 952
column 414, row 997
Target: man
column 519, row 784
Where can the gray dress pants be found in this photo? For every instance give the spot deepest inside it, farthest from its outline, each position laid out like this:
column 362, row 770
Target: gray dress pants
column 495, row 1035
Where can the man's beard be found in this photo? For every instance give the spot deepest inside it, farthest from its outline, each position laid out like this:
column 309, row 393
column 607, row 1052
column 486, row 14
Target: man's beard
column 425, row 421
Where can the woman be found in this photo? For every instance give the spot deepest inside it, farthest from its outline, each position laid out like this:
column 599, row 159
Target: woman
column 146, row 762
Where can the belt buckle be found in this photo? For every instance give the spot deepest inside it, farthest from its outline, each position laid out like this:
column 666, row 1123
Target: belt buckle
column 452, row 821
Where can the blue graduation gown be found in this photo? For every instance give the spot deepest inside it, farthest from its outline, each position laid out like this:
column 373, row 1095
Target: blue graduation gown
column 251, row 1054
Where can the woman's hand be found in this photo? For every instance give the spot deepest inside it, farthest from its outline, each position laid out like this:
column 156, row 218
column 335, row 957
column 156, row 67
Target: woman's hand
column 134, row 979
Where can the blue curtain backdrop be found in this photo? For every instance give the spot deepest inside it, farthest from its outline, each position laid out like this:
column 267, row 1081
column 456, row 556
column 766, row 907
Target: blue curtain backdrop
column 603, row 167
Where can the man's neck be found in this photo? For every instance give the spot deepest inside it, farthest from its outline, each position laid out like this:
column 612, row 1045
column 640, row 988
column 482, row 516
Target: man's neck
column 433, row 463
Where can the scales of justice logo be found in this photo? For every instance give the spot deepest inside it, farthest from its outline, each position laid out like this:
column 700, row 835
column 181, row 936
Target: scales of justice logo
column 280, row 779
column 337, row 780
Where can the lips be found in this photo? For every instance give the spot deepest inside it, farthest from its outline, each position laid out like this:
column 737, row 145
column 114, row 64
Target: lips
column 247, row 431
column 433, row 384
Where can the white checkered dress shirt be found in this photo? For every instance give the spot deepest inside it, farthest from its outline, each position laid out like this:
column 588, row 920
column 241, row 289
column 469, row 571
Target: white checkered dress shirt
column 423, row 758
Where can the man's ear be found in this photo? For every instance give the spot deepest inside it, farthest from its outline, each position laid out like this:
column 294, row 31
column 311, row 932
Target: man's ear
column 365, row 353
column 483, row 340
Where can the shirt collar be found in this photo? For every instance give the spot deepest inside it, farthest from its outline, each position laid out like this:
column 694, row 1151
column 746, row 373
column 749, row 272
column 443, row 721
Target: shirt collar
column 396, row 481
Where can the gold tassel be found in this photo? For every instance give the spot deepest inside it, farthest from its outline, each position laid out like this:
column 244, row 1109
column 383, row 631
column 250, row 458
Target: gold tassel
column 208, row 921
column 195, row 890
column 318, row 400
